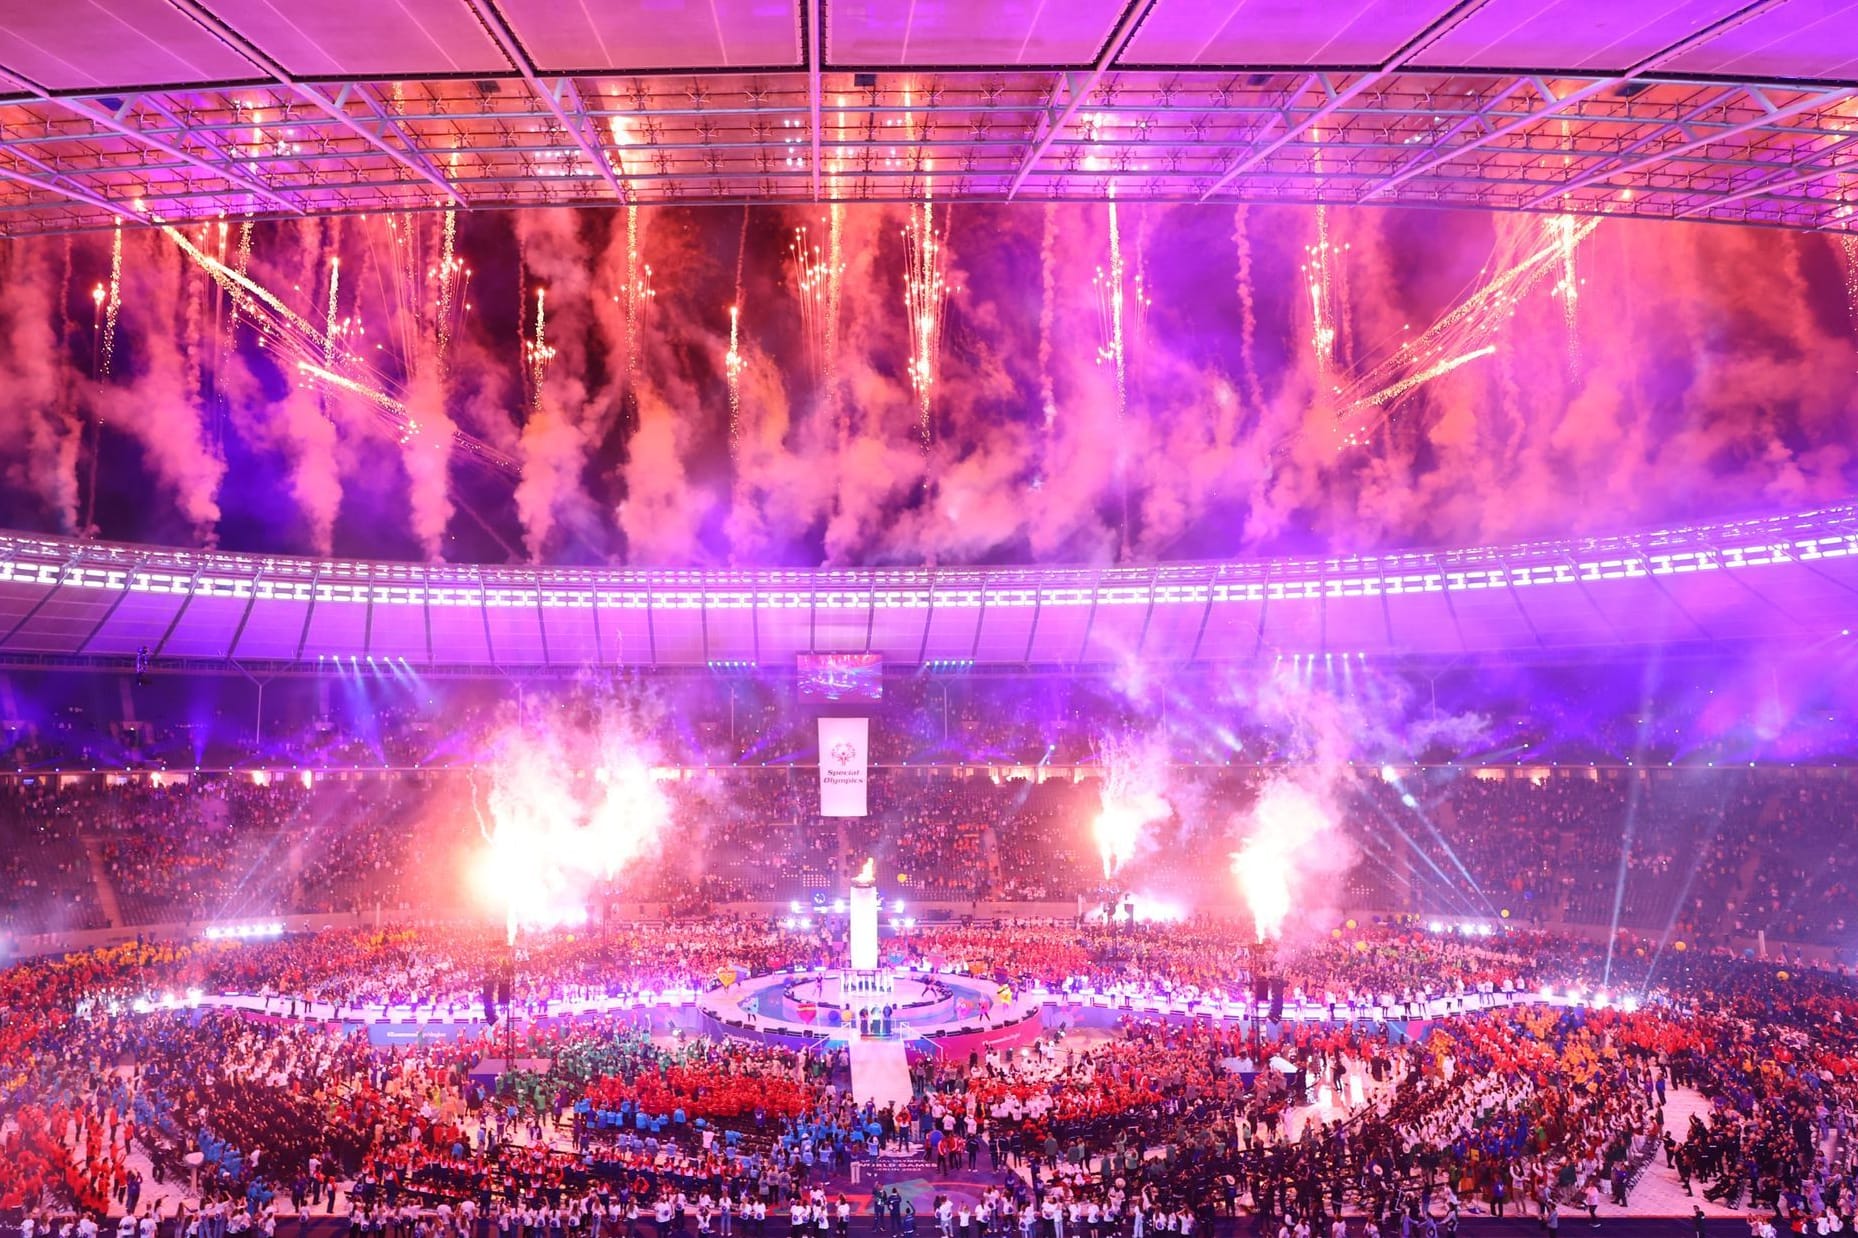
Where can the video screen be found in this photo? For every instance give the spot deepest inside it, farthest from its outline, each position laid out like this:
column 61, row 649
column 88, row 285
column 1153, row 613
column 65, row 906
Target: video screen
column 830, row 677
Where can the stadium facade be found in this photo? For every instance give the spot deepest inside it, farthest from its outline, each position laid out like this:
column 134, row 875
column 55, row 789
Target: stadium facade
column 1789, row 578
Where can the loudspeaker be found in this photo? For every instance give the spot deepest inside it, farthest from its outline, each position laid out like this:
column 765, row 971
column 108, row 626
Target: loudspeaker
column 1277, row 998
column 503, row 991
column 1261, row 988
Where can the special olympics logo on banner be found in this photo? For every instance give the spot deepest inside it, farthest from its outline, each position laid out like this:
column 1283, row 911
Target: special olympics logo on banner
column 844, row 746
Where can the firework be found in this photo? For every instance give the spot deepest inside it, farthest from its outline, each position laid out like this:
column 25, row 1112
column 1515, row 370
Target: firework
column 1320, row 285
column 1132, row 798
column 398, row 417
column 1525, row 258
column 814, row 280
column 1112, row 345
column 97, row 297
column 1287, row 824
column 1389, row 394
column 448, row 270
column 329, row 337
column 732, row 367
column 114, row 301
column 638, row 284
column 1566, row 231
column 256, row 298
column 536, row 353
column 925, row 298
column 553, row 833
column 732, row 361
column 1849, row 244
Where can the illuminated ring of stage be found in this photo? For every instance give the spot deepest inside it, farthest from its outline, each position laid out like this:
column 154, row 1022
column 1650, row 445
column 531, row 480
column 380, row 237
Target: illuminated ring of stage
column 811, row 1007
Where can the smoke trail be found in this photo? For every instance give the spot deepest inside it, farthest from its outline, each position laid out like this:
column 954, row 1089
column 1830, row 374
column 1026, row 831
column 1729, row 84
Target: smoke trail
column 835, row 295
column 553, row 451
column 316, row 478
column 153, row 404
column 193, row 332
column 565, row 420
column 1248, row 310
column 304, row 422
column 732, row 361
column 33, row 375
column 661, row 513
column 1048, row 236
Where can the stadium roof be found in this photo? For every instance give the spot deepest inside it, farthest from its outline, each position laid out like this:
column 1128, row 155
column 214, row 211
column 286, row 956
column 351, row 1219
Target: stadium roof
column 165, row 110
column 1788, row 578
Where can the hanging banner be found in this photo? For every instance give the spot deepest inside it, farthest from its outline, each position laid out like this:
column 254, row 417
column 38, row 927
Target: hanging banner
column 843, row 744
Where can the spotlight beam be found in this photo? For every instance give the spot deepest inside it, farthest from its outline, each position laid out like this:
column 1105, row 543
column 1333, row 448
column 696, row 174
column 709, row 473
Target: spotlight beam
column 1634, row 792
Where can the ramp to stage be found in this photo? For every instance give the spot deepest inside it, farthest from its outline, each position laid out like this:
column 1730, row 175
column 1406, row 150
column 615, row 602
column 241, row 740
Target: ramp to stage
column 880, row 1071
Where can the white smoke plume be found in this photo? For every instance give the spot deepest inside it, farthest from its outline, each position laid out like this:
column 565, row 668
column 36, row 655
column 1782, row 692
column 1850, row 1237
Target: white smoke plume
column 427, row 453
column 152, row 402
column 42, row 459
column 566, row 421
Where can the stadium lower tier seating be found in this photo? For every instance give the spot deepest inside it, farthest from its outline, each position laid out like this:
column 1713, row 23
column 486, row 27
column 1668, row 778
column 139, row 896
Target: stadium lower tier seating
column 1705, row 853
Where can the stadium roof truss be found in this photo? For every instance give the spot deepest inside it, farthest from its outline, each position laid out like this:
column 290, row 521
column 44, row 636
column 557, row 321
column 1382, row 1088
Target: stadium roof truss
column 1787, row 578
column 144, row 111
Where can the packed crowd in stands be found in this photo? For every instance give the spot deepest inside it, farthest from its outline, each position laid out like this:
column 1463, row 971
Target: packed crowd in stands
column 120, row 1101
column 1707, row 854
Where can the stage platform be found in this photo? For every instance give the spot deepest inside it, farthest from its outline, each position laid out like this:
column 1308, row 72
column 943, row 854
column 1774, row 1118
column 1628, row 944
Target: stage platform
column 929, row 1011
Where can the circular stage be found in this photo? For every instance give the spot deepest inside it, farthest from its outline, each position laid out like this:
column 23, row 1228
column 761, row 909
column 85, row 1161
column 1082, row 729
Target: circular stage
column 812, row 1006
